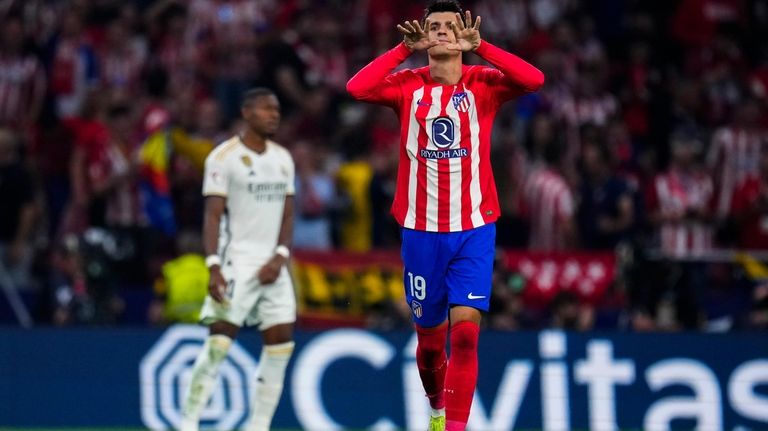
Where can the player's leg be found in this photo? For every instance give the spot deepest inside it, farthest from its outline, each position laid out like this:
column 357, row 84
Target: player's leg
column 461, row 375
column 425, row 259
column 432, row 363
column 275, row 313
column 224, row 322
column 205, row 371
column 469, row 289
column 277, row 350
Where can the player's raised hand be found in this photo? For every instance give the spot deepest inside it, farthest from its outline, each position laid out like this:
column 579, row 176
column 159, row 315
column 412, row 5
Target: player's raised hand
column 217, row 287
column 467, row 35
column 414, row 36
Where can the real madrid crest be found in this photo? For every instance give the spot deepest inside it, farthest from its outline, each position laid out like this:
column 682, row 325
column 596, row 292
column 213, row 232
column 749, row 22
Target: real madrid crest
column 248, row 164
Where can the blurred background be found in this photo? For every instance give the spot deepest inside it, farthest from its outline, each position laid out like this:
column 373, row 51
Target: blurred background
column 634, row 185
column 643, row 157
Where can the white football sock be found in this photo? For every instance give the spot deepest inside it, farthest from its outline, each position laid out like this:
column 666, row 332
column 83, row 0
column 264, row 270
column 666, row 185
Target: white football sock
column 203, row 378
column 269, row 385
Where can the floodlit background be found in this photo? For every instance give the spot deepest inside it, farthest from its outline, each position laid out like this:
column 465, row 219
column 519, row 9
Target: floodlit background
column 630, row 288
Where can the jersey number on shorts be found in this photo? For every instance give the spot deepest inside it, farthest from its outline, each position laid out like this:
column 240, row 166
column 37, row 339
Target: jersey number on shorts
column 230, row 288
column 418, row 286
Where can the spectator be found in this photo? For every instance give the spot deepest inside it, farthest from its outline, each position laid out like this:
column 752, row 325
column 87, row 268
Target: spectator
column 209, row 122
column 749, row 208
column 606, row 207
column 120, row 188
column 18, row 214
column 180, row 292
column 90, row 168
column 549, row 206
column 734, row 154
column 504, row 21
column 171, row 50
column 121, row 62
column 567, row 313
column 73, row 65
column 354, row 183
column 386, row 231
column 315, row 196
column 507, row 311
column 680, row 203
column 22, row 80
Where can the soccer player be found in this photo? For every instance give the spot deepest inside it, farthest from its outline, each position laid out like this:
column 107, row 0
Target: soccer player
column 248, row 189
column 446, row 199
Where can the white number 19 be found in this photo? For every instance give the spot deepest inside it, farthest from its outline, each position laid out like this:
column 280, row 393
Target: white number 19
column 418, row 286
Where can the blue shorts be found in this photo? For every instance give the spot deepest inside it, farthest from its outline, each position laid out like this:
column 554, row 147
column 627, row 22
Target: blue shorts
column 443, row 269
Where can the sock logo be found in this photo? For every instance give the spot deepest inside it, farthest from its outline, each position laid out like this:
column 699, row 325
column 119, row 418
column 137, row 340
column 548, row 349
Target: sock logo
column 164, row 373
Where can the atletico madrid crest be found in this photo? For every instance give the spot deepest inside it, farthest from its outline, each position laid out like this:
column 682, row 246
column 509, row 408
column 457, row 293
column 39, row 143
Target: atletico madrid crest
column 460, row 102
column 416, row 307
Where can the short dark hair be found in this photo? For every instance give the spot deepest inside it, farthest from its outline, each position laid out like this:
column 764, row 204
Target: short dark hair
column 254, row 93
column 443, row 6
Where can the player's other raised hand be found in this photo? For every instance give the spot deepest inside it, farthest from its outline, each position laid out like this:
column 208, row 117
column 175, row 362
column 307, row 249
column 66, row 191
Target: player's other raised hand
column 414, row 36
column 467, row 35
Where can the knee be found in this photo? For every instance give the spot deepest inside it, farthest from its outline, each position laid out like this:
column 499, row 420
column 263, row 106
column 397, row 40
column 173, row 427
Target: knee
column 464, row 336
column 218, row 347
column 431, row 347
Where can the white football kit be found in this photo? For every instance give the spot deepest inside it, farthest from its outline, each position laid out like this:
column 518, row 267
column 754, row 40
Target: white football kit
column 255, row 186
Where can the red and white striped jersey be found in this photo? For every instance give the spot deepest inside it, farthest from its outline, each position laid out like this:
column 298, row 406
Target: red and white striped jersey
column 22, row 83
column 733, row 156
column 675, row 193
column 445, row 182
column 548, row 204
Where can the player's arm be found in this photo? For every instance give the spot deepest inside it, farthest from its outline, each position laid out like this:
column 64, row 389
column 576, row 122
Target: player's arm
column 515, row 73
column 215, row 187
column 375, row 82
column 285, row 238
column 271, row 270
column 214, row 209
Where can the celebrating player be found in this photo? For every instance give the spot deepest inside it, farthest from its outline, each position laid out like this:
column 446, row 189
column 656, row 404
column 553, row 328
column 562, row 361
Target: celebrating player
column 248, row 189
column 446, row 198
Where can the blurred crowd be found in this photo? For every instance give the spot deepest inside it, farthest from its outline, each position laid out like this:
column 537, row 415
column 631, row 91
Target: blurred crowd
column 648, row 140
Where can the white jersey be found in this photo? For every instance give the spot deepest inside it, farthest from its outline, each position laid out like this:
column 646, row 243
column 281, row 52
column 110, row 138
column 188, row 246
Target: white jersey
column 255, row 186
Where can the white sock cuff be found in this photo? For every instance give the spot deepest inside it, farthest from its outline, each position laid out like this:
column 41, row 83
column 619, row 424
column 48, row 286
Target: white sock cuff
column 282, row 349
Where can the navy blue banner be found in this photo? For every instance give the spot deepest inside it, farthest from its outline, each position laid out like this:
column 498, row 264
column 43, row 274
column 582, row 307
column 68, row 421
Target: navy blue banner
column 352, row 378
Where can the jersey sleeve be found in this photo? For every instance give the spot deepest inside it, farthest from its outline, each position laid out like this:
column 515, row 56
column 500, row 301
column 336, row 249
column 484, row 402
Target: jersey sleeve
column 216, row 181
column 375, row 83
column 512, row 75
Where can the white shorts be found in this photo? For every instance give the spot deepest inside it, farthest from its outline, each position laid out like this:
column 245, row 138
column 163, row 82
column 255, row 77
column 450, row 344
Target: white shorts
column 251, row 303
